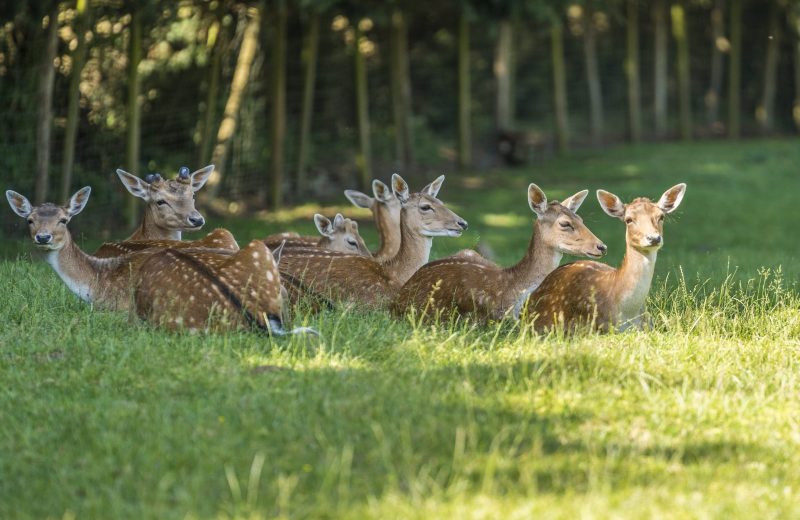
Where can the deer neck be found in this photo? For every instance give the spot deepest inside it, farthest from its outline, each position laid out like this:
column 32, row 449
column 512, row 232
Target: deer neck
column 148, row 230
column 632, row 282
column 79, row 271
column 387, row 236
column 414, row 251
column 523, row 278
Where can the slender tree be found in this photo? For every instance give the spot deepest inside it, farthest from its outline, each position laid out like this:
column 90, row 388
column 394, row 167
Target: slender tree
column 660, row 67
column 717, row 56
column 309, row 58
column 632, row 71
column 44, row 113
column 216, row 46
column 71, row 129
column 681, row 35
column 597, row 119
column 133, row 109
column 464, row 95
column 364, row 156
column 401, row 88
column 278, row 104
column 765, row 113
column 504, row 74
column 735, row 71
column 559, row 84
column 794, row 24
column 230, row 117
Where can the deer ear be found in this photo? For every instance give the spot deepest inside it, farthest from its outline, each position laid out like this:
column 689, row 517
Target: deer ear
column 358, row 199
column 324, row 225
column 200, row 177
column 574, row 202
column 338, row 221
column 19, row 204
column 537, row 200
column 276, row 253
column 611, row 204
column 433, row 188
column 672, row 198
column 381, row 191
column 400, row 188
column 78, row 201
column 136, row 186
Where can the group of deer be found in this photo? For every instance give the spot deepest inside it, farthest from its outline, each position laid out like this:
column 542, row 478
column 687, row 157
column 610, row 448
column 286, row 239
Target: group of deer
column 210, row 283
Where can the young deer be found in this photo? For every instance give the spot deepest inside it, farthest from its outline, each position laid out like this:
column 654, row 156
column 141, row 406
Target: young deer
column 340, row 235
column 471, row 285
column 202, row 290
column 170, row 203
column 104, row 282
column 369, row 281
column 595, row 295
column 385, row 210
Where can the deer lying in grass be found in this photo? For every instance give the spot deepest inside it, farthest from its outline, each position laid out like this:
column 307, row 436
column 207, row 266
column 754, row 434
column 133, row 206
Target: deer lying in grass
column 203, row 290
column 595, row 295
column 369, row 281
column 469, row 284
column 340, row 235
column 385, row 210
column 104, row 282
column 169, row 211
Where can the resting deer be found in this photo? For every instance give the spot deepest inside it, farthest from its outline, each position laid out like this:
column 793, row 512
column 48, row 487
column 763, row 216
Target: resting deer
column 203, row 290
column 472, row 285
column 595, row 295
column 366, row 280
column 385, row 210
column 340, row 235
column 104, row 282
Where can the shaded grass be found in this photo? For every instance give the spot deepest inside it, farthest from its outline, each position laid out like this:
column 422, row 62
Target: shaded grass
column 104, row 417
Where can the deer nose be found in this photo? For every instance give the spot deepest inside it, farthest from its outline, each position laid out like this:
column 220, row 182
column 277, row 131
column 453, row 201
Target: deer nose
column 654, row 239
column 602, row 248
column 197, row 221
column 462, row 224
column 43, row 238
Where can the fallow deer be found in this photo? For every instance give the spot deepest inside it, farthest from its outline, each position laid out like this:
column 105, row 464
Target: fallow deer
column 201, row 290
column 596, row 296
column 220, row 238
column 365, row 280
column 385, row 210
column 104, row 282
column 339, row 235
column 471, row 285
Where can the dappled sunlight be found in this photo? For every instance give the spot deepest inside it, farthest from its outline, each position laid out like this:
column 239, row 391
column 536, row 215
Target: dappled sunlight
column 307, row 211
column 504, row 220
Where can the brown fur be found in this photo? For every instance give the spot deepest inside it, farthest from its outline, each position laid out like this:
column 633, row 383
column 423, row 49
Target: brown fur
column 218, row 239
column 341, row 235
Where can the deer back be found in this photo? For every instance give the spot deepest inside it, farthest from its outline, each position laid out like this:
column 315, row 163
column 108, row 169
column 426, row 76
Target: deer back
column 218, row 239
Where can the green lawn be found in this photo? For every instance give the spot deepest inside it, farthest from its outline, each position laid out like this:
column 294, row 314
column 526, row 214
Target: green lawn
column 103, row 417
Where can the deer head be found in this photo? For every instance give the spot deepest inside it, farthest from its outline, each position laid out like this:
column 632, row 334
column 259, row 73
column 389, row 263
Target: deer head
column 423, row 213
column 47, row 223
column 562, row 229
column 340, row 235
column 643, row 218
column 170, row 203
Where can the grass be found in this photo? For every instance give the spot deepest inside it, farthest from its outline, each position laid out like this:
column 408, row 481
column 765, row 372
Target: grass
column 103, row 417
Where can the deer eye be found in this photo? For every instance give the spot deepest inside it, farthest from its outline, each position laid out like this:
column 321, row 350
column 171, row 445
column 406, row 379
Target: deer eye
column 629, row 220
column 352, row 242
column 566, row 225
column 30, row 221
column 426, row 207
column 161, row 202
column 661, row 218
column 62, row 221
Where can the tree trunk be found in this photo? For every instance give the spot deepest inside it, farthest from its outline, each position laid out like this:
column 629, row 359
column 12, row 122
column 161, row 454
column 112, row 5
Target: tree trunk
column 133, row 116
column 660, row 68
column 735, row 72
column 218, row 45
column 766, row 112
column 464, row 95
column 593, row 76
column 504, row 74
column 715, row 87
column 230, row 117
column 401, row 89
column 44, row 113
column 680, row 32
column 794, row 20
column 559, row 86
column 278, row 105
column 310, row 62
column 632, row 71
column 364, row 156
column 74, row 95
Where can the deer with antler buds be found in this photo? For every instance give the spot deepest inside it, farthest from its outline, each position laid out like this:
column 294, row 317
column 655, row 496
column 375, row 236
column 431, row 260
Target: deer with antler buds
column 365, row 280
column 595, row 295
column 385, row 210
column 340, row 235
column 470, row 285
